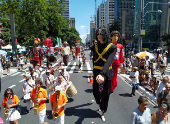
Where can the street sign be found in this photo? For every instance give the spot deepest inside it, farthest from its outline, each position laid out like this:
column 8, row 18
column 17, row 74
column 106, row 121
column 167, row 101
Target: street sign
column 1, row 28
column 142, row 32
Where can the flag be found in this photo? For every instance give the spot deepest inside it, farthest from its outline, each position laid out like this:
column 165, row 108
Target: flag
column 60, row 42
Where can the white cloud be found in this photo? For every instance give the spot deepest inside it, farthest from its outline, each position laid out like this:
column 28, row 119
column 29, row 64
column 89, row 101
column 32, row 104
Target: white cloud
column 83, row 37
column 82, row 27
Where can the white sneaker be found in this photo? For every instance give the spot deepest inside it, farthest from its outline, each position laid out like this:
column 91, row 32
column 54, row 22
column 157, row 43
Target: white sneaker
column 99, row 110
column 103, row 118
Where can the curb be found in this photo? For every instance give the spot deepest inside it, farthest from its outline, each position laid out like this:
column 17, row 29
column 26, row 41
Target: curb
column 148, row 94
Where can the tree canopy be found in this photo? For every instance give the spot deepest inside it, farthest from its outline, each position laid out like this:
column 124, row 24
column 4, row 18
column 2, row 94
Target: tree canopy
column 36, row 19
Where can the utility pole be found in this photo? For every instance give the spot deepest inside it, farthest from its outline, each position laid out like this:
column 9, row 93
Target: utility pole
column 13, row 38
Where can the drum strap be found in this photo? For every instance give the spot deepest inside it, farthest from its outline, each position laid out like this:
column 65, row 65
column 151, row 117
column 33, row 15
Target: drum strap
column 63, row 76
column 29, row 85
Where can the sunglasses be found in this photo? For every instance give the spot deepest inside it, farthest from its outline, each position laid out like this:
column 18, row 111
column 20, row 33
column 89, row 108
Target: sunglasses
column 99, row 34
column 9, row 93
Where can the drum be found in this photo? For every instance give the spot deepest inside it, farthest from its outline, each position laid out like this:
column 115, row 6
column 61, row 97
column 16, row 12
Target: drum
column 71, row 91
column 27, row 97
column 123, row 70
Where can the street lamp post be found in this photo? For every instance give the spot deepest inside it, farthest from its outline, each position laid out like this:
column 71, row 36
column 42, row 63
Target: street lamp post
column 141, row 20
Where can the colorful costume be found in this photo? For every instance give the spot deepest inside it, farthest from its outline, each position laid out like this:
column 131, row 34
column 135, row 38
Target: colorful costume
column 103, row 55
column 117, row 61
column 37, row 53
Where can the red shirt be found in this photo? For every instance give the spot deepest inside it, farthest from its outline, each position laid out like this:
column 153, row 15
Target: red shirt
column 118, row 58
column 77, row 50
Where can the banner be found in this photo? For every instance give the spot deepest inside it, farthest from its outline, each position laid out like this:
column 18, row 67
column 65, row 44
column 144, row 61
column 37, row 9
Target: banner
column 60, row 42
column 78, row 40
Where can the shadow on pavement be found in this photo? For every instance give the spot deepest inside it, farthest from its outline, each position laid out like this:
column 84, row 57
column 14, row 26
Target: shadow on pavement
column 85, row 76
column 49, row 114
column 23, row 110
column 82, row 113
column 89, row 90
column 70, row 99
column 125, row 95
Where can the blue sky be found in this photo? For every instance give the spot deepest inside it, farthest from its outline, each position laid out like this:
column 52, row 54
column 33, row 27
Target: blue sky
column 82, row 10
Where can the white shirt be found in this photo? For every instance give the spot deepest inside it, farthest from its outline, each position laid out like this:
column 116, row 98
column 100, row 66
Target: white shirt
column 147, row 63
column 160, row 88
column 39, row 75
column 66, row 75
column 21, row 61
column 49, row 78
column 135, row 80
column 63, row 86
column 66, row 50
column 80, row 60
column 164, row 61
column 34, row 76
column 28, row 86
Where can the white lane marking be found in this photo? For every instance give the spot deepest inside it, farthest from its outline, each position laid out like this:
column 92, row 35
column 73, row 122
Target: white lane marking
column 12, row 86
column 68, row 64
column 22, row 80
column 72, row 68
column 15, row 73
column 88, row 67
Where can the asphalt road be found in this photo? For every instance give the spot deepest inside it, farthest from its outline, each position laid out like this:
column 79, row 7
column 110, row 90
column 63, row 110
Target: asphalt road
column 81, row 109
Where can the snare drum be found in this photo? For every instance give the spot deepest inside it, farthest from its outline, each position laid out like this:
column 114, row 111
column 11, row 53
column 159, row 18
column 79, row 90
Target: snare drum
column 27, row 97
column 71, row 91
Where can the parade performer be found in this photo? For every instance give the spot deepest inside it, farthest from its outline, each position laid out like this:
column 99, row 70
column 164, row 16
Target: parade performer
column 49, row 83
column 28, row 85
column 10, row 102
column 118, row 58
column 58, row 101
column 103, row 54
column 39, row 97
column 65, row 52
column 37, row 53
column 77, row 52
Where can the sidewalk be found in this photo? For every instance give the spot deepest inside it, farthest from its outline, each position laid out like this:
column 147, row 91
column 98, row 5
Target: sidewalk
column 143, row 89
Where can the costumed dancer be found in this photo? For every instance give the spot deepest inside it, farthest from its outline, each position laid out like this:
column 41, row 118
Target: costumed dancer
column 103, row 54
column 28, row 85
column 10, row 102
column 39, row 97
column 37, row 53
column 65, row 52
column 77, row 52
column 118, row 58
column 58, row 101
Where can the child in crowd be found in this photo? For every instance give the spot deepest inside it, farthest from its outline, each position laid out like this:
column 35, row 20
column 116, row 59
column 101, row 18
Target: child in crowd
column 74, row 56
column 134, row 75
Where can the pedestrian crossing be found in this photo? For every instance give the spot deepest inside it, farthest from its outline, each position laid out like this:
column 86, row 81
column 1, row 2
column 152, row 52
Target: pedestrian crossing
column 168, row 68
column 71, row 68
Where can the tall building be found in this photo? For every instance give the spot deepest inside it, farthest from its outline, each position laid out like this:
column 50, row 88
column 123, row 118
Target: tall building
column 102, row 15
column 109, row 12
column 72, row 22
column 97, row 19
column 92, row 31
column 88, row 39
column 128, row 7
column 67, row 9
column 165, row 22
column 151, row 23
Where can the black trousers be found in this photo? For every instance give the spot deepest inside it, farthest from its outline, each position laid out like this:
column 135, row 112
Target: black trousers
column 103, row 98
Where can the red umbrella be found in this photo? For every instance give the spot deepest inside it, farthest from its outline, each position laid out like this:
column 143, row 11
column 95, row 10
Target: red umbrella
column 48, row 42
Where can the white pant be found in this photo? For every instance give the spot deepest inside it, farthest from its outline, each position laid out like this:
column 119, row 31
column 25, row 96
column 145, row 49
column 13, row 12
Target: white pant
column 49, row 93
column 28, row 104
column 41, row 116
column 60, row 120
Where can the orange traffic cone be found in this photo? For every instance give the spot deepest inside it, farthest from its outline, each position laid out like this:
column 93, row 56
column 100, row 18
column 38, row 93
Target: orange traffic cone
column 91, row 79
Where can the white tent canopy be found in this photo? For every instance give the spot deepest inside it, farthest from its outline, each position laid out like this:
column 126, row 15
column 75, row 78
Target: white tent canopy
column 18, row 47
column 7, row 47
